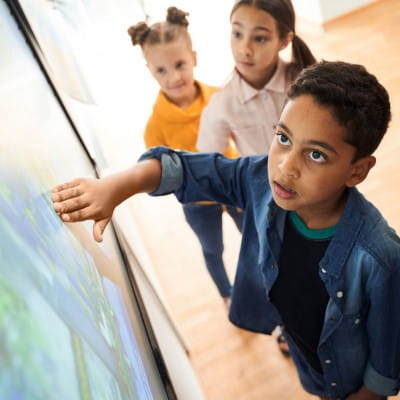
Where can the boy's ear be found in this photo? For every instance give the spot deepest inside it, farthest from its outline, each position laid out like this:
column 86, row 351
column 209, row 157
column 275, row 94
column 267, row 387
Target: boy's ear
column 360, row 170
column 195, row 58
column 288, row 39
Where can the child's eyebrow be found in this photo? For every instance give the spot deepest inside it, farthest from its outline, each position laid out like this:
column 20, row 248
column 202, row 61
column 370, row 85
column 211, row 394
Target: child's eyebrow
column 284, row 127
column 257, row 28
column 324, row 145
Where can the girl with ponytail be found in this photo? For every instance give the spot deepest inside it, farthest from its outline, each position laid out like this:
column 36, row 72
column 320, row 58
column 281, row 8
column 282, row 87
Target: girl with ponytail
column 249, row 105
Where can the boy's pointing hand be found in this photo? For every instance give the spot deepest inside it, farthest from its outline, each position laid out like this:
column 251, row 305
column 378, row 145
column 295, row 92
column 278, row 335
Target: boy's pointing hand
column 83, row 199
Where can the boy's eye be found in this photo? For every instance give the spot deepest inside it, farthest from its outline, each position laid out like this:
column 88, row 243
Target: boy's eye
column 180, row 64
column 317, row 156
column 260, row 39
column 161, row 70
column 283, row 139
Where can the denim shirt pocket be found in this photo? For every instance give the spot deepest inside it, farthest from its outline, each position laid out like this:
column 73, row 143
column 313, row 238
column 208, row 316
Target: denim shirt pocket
column 351, row 332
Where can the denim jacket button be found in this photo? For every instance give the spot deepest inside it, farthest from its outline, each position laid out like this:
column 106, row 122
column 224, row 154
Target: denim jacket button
column 333, row 384
column 323, row 270
column 332, row 319
column 328, row 361
column 273, row 266
column 357, row 321
column 339, row 294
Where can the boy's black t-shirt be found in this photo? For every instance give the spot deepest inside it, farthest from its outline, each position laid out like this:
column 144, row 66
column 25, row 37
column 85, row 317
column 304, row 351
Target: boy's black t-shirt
column 299, row 293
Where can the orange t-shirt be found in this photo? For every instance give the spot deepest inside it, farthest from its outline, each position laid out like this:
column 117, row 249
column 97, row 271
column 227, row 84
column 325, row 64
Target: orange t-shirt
column 175, row 127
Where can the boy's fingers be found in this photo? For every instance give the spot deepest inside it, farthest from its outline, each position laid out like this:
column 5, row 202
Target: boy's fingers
column 65, row 194
column 74, row 216
column 98, row 229
column 68, row 206
column 67, row 185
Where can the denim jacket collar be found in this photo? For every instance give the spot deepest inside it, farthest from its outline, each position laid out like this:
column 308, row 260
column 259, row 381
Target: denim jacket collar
column 347, row 232
column 341, row 245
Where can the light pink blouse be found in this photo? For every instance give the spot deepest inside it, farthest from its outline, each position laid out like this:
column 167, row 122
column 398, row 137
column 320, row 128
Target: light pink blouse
column 243, row 114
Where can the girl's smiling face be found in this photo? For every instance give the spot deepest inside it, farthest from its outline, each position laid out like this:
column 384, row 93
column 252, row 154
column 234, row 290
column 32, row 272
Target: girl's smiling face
column 172, row 65
column 255, row 44
column 310, row 164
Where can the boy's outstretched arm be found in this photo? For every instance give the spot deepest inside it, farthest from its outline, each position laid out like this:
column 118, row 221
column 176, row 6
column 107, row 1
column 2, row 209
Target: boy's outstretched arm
column 85, row 198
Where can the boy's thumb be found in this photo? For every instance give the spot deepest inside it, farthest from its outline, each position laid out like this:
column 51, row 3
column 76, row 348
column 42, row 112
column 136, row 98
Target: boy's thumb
column 98, row 229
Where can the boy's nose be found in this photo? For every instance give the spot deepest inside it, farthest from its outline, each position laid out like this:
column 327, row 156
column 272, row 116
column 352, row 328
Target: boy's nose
column 288, row 166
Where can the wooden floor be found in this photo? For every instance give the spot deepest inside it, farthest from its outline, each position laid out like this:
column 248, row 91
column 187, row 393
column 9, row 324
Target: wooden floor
column 232, row 364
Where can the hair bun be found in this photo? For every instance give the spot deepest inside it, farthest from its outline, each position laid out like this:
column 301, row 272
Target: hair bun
column 177, row 16
column 138, row 33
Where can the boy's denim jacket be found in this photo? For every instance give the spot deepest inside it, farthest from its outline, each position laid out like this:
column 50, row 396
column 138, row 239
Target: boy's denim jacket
column 360, row 338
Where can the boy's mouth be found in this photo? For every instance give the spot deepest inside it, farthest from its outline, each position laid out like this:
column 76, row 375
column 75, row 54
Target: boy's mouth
column 283, row 191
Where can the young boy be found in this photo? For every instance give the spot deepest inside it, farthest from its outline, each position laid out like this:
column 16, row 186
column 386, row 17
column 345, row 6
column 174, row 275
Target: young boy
column 316, row 256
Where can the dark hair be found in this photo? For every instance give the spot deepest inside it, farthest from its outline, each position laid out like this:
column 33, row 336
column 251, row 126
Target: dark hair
column 355, row 97
column 174, row 27
column 283, row 13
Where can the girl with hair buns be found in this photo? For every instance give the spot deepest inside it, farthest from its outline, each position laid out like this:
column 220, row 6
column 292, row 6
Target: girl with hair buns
column 174, row 122
column 247, row 108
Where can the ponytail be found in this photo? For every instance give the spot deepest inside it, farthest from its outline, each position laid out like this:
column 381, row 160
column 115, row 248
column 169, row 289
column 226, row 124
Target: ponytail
column 302, row 57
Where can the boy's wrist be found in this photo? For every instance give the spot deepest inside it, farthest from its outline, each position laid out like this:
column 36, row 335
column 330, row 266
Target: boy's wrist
column 142, row 177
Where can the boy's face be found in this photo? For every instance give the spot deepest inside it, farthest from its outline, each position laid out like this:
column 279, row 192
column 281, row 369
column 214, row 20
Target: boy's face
column 171, row 65
column 310, row 164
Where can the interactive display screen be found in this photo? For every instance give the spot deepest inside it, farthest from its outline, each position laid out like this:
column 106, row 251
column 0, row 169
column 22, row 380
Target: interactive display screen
column 70, row 324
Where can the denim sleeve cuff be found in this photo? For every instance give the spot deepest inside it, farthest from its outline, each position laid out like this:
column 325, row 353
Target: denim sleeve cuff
column 171, row 169
column 380, row 384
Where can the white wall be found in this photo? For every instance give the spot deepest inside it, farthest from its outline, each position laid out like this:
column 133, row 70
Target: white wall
column 309, row 10
column 320, row 11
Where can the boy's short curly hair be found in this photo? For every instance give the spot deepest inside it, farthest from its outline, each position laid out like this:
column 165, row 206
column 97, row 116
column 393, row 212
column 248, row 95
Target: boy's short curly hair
column 355, row 97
